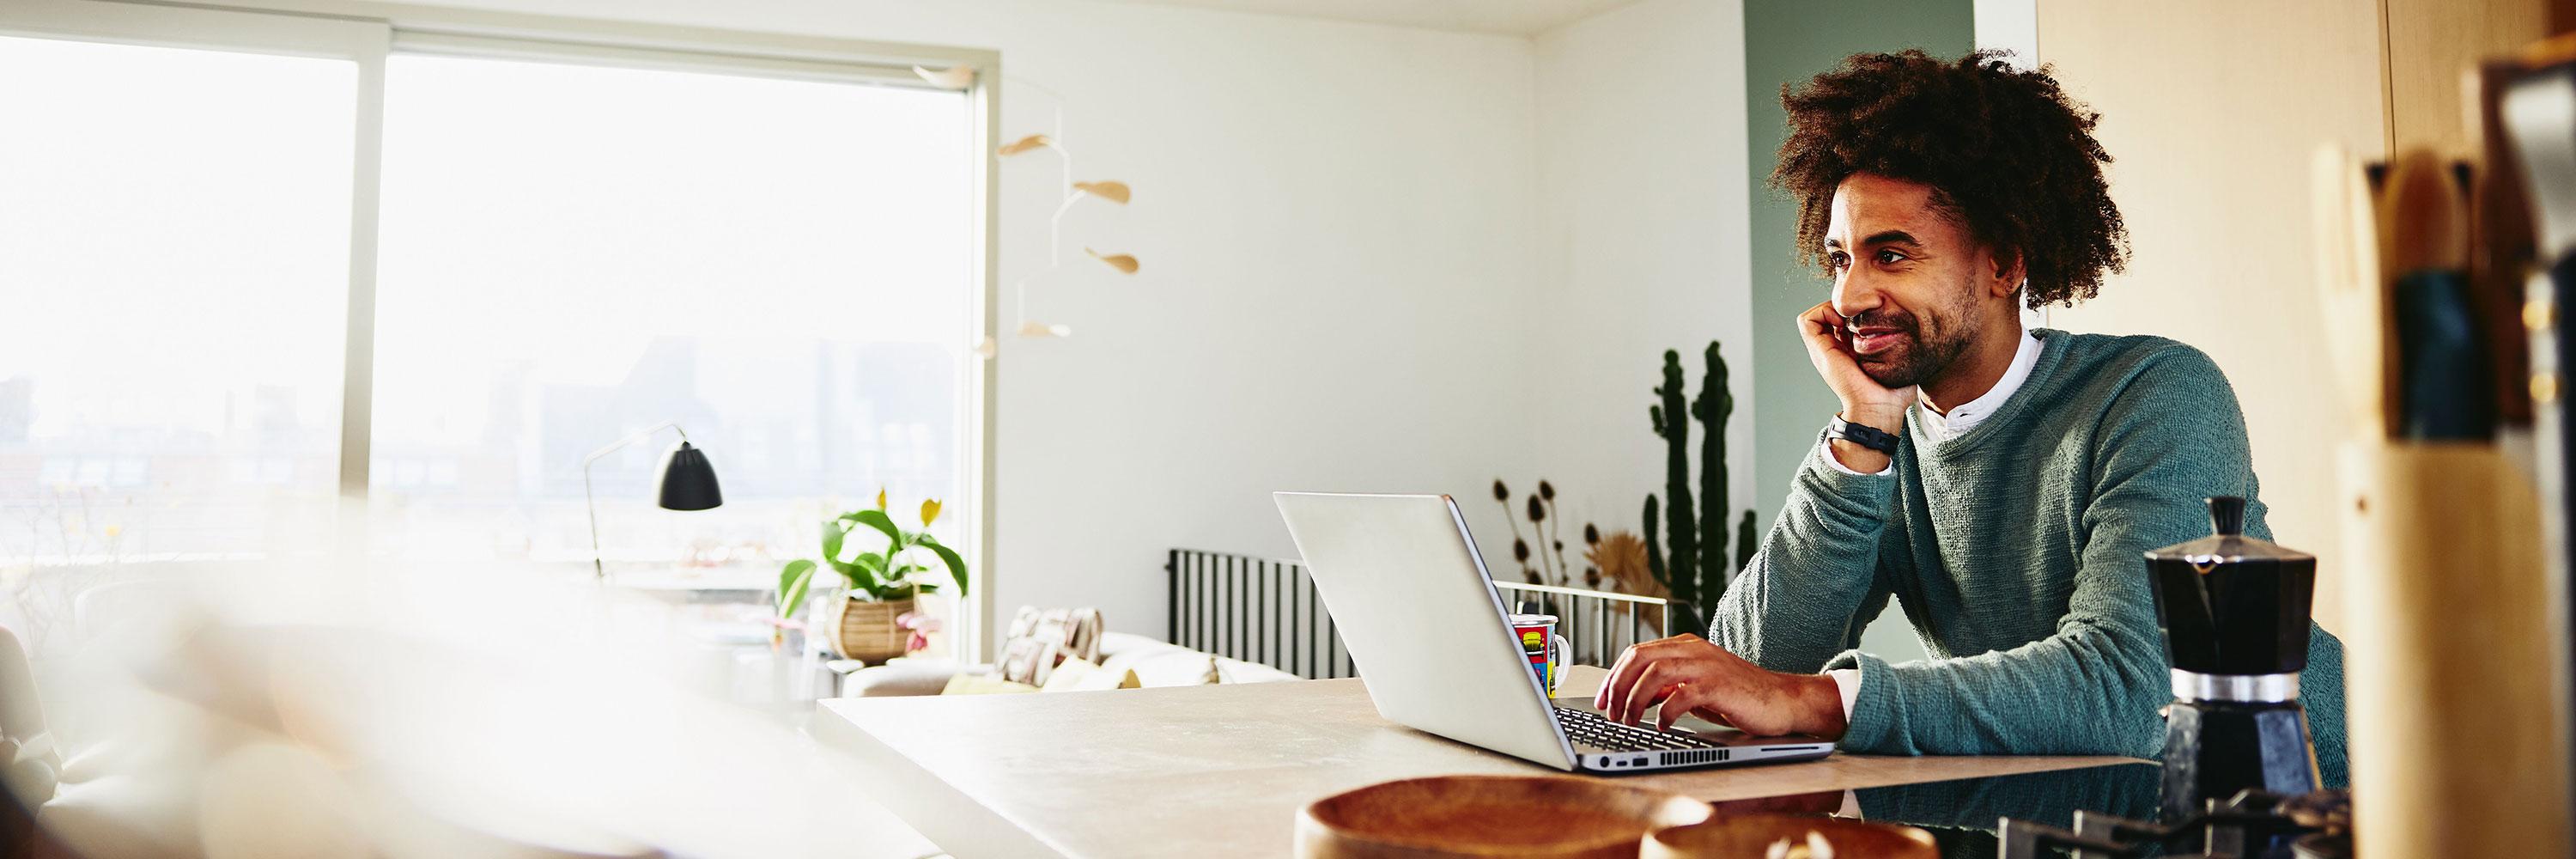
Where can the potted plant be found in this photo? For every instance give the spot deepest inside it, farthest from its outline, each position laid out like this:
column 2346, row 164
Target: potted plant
column 868, row 624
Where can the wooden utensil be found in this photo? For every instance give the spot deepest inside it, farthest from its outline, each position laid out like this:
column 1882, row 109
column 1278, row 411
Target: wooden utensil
column 1459, row 816
column 2443, row 346
column 2451, row 674
column 2424, row 222
column 1751, row 836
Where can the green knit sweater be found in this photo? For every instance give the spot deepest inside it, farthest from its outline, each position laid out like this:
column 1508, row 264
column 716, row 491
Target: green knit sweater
column 2014, row 549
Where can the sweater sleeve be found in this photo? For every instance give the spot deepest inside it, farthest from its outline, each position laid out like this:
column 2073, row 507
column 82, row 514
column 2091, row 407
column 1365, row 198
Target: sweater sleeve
column 1806, row 593
column 2172, row 436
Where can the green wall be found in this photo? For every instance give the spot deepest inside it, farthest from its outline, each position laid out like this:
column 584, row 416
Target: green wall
column 1788, row 42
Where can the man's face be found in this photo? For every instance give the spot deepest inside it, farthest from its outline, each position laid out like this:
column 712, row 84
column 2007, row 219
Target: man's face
column 1906, row 279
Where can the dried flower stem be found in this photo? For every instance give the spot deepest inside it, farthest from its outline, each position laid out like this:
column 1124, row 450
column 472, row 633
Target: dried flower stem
column 1564, row 574
column 1510, row 516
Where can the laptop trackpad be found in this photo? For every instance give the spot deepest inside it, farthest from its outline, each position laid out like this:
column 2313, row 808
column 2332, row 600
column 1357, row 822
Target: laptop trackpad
column 1705, row 729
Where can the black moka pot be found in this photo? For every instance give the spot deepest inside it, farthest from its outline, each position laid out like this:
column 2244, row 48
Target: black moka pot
column 2234, row 610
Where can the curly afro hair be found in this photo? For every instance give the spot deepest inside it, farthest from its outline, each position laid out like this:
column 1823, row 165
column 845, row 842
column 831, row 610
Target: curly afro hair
column 2007, row 153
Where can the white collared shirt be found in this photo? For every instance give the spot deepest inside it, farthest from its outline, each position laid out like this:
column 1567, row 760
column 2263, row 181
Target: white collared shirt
column 1939, row 427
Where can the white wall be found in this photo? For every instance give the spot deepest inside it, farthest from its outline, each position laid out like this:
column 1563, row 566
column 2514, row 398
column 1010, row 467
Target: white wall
column 1335, row 222
column 1641, row 246
column 2213, row 117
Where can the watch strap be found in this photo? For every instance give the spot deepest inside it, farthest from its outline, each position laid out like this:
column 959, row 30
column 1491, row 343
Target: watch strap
column 1860, row 434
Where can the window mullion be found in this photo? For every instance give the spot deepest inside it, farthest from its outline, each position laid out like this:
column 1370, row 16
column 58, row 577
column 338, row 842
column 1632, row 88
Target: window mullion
column 357, row 367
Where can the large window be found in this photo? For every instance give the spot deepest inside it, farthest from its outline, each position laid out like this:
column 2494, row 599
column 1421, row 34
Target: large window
column 174, row 257
column 572, row 253
column 562, row 243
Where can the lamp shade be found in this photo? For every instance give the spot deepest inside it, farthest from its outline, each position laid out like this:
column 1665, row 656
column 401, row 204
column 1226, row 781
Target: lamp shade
column 688, row 482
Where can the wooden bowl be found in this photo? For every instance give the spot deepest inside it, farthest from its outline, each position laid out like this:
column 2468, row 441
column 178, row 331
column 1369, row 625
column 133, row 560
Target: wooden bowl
column 1750, row 836
column 1541, row 816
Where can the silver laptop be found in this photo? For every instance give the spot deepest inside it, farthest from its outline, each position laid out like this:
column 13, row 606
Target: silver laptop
column 1435, row 648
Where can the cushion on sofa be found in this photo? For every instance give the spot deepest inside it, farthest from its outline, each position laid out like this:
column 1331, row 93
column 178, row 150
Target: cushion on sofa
column 1154, row 663
column 1159, row 663
column 897, row 678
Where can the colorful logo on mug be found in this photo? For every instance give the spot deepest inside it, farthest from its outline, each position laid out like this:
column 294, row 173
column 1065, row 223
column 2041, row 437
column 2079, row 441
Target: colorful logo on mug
column 1537, row 632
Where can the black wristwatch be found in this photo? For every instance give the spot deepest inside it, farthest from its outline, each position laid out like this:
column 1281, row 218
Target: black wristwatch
column 1866, row 436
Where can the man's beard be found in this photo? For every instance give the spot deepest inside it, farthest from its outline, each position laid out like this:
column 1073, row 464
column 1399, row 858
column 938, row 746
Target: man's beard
column 1914, row 360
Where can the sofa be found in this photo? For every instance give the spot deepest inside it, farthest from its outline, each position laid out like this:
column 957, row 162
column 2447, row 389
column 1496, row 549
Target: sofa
column 1156, row 664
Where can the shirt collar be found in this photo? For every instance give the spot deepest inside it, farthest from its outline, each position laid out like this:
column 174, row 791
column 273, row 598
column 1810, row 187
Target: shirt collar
column 1966, row 416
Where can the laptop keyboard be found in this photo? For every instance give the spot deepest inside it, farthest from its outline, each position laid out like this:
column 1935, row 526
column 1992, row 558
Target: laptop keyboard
column 1593, row 729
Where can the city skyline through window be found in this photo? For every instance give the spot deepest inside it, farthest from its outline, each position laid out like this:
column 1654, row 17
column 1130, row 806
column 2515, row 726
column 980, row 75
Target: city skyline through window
column 174, row 252
column 567, row 253
column 573, row 253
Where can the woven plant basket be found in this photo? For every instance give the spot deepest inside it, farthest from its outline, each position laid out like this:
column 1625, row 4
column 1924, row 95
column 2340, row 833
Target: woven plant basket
column 865, row 630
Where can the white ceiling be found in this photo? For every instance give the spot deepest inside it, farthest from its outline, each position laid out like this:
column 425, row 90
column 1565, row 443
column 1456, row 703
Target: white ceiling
column 1514, row 17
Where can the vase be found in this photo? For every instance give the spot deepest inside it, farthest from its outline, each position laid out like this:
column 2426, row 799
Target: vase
column 865, row 630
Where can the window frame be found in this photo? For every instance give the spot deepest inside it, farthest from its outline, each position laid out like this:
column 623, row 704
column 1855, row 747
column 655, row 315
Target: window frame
column 367, row 32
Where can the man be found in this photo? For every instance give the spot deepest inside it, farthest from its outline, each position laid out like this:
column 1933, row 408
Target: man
column 2029, row 469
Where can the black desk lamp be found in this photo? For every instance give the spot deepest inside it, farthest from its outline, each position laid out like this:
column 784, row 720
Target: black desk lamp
column 687, row 483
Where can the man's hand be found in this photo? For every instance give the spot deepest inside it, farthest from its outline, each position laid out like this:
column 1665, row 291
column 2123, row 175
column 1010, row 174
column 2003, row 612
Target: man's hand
column 1690, row 674
column 1864, row 400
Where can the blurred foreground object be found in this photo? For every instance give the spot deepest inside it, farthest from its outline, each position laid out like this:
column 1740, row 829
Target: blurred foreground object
column 2456, row 581
column 2530, row 102
column 410, row 713
column 1486, row 815
column 1781, row 835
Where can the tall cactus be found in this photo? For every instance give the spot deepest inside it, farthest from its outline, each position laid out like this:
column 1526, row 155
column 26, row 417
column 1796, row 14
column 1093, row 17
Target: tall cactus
column 1713, row 407
column 1696, row 568
column 1655, row 547
column 1672, row 422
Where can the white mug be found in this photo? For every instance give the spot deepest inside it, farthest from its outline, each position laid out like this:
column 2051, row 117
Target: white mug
column 1545, row 648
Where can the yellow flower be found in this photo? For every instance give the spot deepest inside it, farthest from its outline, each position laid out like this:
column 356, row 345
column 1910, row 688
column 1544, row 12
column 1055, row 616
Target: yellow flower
column 880, row 499
column 929, row 511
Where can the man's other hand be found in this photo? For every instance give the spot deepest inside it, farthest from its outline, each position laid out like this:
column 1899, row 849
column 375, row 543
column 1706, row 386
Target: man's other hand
column 1690, row 674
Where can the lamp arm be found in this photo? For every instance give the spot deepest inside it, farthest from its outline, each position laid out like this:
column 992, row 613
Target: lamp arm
column 590, row 500
column 648, row 432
